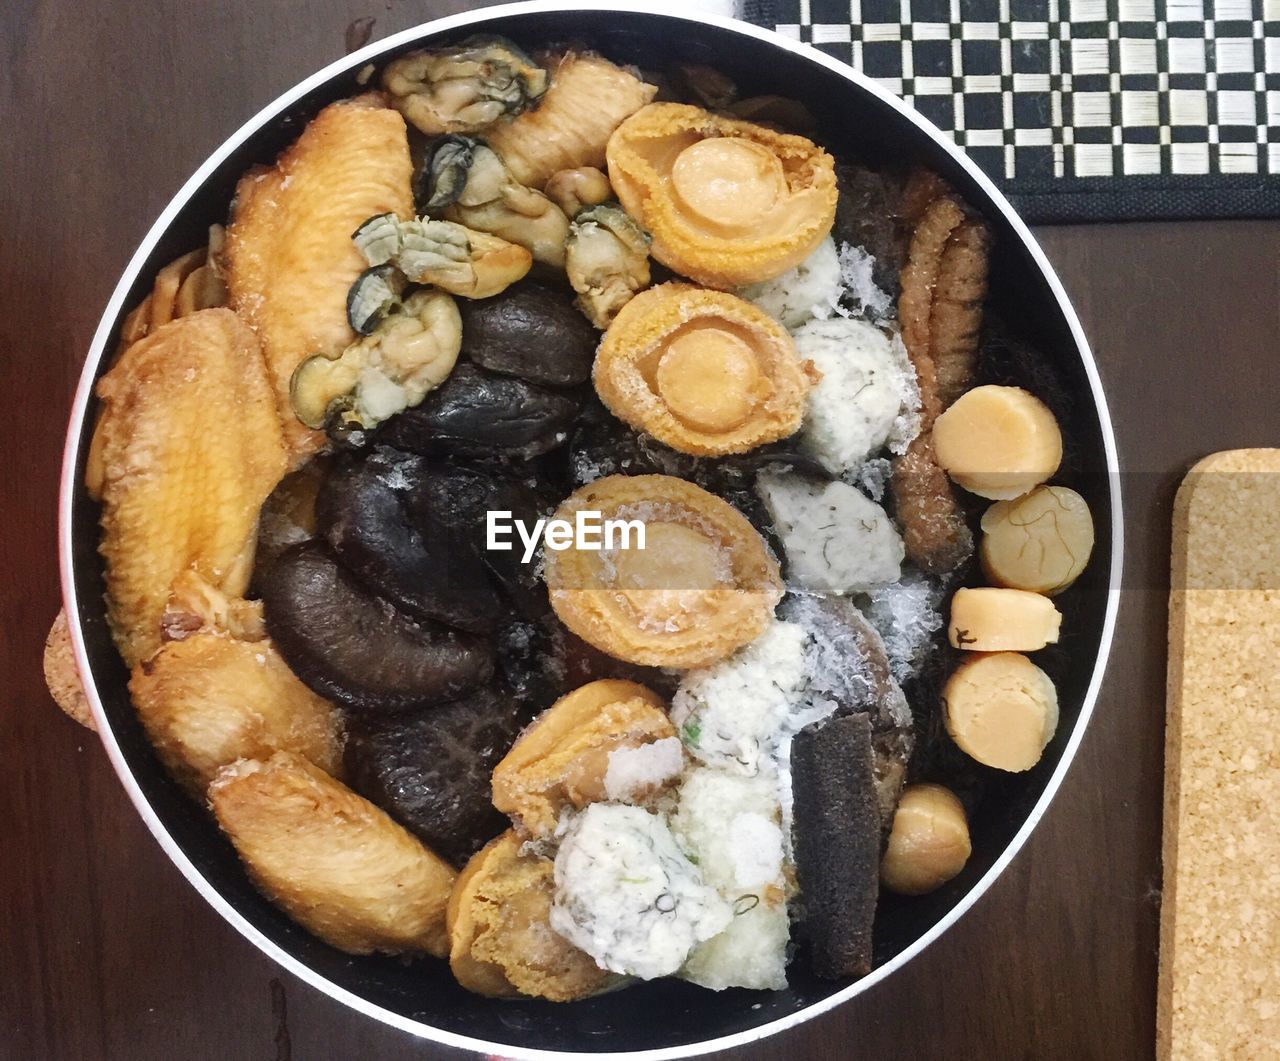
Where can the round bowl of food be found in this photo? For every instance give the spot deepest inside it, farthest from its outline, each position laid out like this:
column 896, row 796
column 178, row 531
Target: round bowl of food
column 590, row 530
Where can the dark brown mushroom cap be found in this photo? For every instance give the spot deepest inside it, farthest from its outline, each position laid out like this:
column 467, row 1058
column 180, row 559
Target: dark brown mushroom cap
column 357, row 649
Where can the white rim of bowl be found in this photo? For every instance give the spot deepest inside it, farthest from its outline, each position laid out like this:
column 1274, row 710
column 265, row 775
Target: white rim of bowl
column 103, row 335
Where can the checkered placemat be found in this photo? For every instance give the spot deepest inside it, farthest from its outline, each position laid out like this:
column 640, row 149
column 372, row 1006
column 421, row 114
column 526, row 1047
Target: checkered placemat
column 1080, row 109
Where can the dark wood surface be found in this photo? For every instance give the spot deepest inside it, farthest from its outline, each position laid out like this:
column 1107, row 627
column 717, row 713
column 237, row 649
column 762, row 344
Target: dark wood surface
column 105, row 952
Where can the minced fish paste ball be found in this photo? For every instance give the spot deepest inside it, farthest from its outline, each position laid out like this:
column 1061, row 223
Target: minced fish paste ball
column 866, row 388
column 627, row 895
column 732, row 714
column 751, row 952
column 729, row 823
column 836, row 539
column 810, row 289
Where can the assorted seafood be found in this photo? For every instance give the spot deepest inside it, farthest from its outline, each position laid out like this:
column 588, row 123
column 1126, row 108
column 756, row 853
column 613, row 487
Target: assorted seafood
column 527, row 285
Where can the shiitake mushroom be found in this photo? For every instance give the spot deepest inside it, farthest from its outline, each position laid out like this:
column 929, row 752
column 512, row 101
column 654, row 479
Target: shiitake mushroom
column 371, row 514
column 531, row 331
column 456, row 500
column 531, row 660
column 474, row 414
column 865, row 212
column 357, row 649
column 430, row 769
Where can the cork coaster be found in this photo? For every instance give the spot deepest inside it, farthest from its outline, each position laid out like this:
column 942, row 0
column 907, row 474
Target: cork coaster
column 61, row 676
column 1219, row 991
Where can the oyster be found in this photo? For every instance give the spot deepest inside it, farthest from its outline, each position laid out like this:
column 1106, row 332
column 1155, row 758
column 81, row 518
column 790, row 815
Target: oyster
column 449, row 256
column 458, row 259
column 728, row 202
column 409, row 354
column 464, row 88
column 607, row 261
column 704, row 372
column 478, row 415
column 375, row 293
column 575, row 189
column 378, row 238
column 353, row 647
column 589, row 97
column 290, row 258
column 703, row 585
column 468, row 182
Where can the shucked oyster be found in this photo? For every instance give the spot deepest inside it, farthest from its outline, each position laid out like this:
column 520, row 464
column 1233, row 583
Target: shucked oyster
column 607, row 259
column 453, row 257
column 587, row 100
column 466, row 87
column 466, row 181
column 576, row 189
column 410, row 353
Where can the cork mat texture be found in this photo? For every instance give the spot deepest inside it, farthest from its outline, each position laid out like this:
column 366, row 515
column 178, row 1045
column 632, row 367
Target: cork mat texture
column 1219, row 992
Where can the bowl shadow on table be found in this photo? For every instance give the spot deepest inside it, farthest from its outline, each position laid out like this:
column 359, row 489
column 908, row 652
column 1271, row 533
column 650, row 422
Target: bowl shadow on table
column 665, row 1013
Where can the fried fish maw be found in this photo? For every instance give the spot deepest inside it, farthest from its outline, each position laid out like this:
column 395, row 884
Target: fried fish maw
column 210, row 700
column 289, row 254
column 189, row 446
column 588, row 99
column 332, row 860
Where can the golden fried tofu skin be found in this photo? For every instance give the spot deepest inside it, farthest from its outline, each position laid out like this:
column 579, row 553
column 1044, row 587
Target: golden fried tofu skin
column 210, row 699
column 289, row 255
column 189, row 446
column 332, row 860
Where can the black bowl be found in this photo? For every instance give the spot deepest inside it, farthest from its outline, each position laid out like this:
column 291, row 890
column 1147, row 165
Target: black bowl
column 665, row 1018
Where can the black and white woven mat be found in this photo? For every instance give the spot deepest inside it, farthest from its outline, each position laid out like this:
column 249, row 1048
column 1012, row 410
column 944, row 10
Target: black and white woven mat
column 1081, row 110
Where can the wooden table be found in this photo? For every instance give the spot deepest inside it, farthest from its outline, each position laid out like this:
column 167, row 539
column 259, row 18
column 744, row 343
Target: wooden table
column 106, row 952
